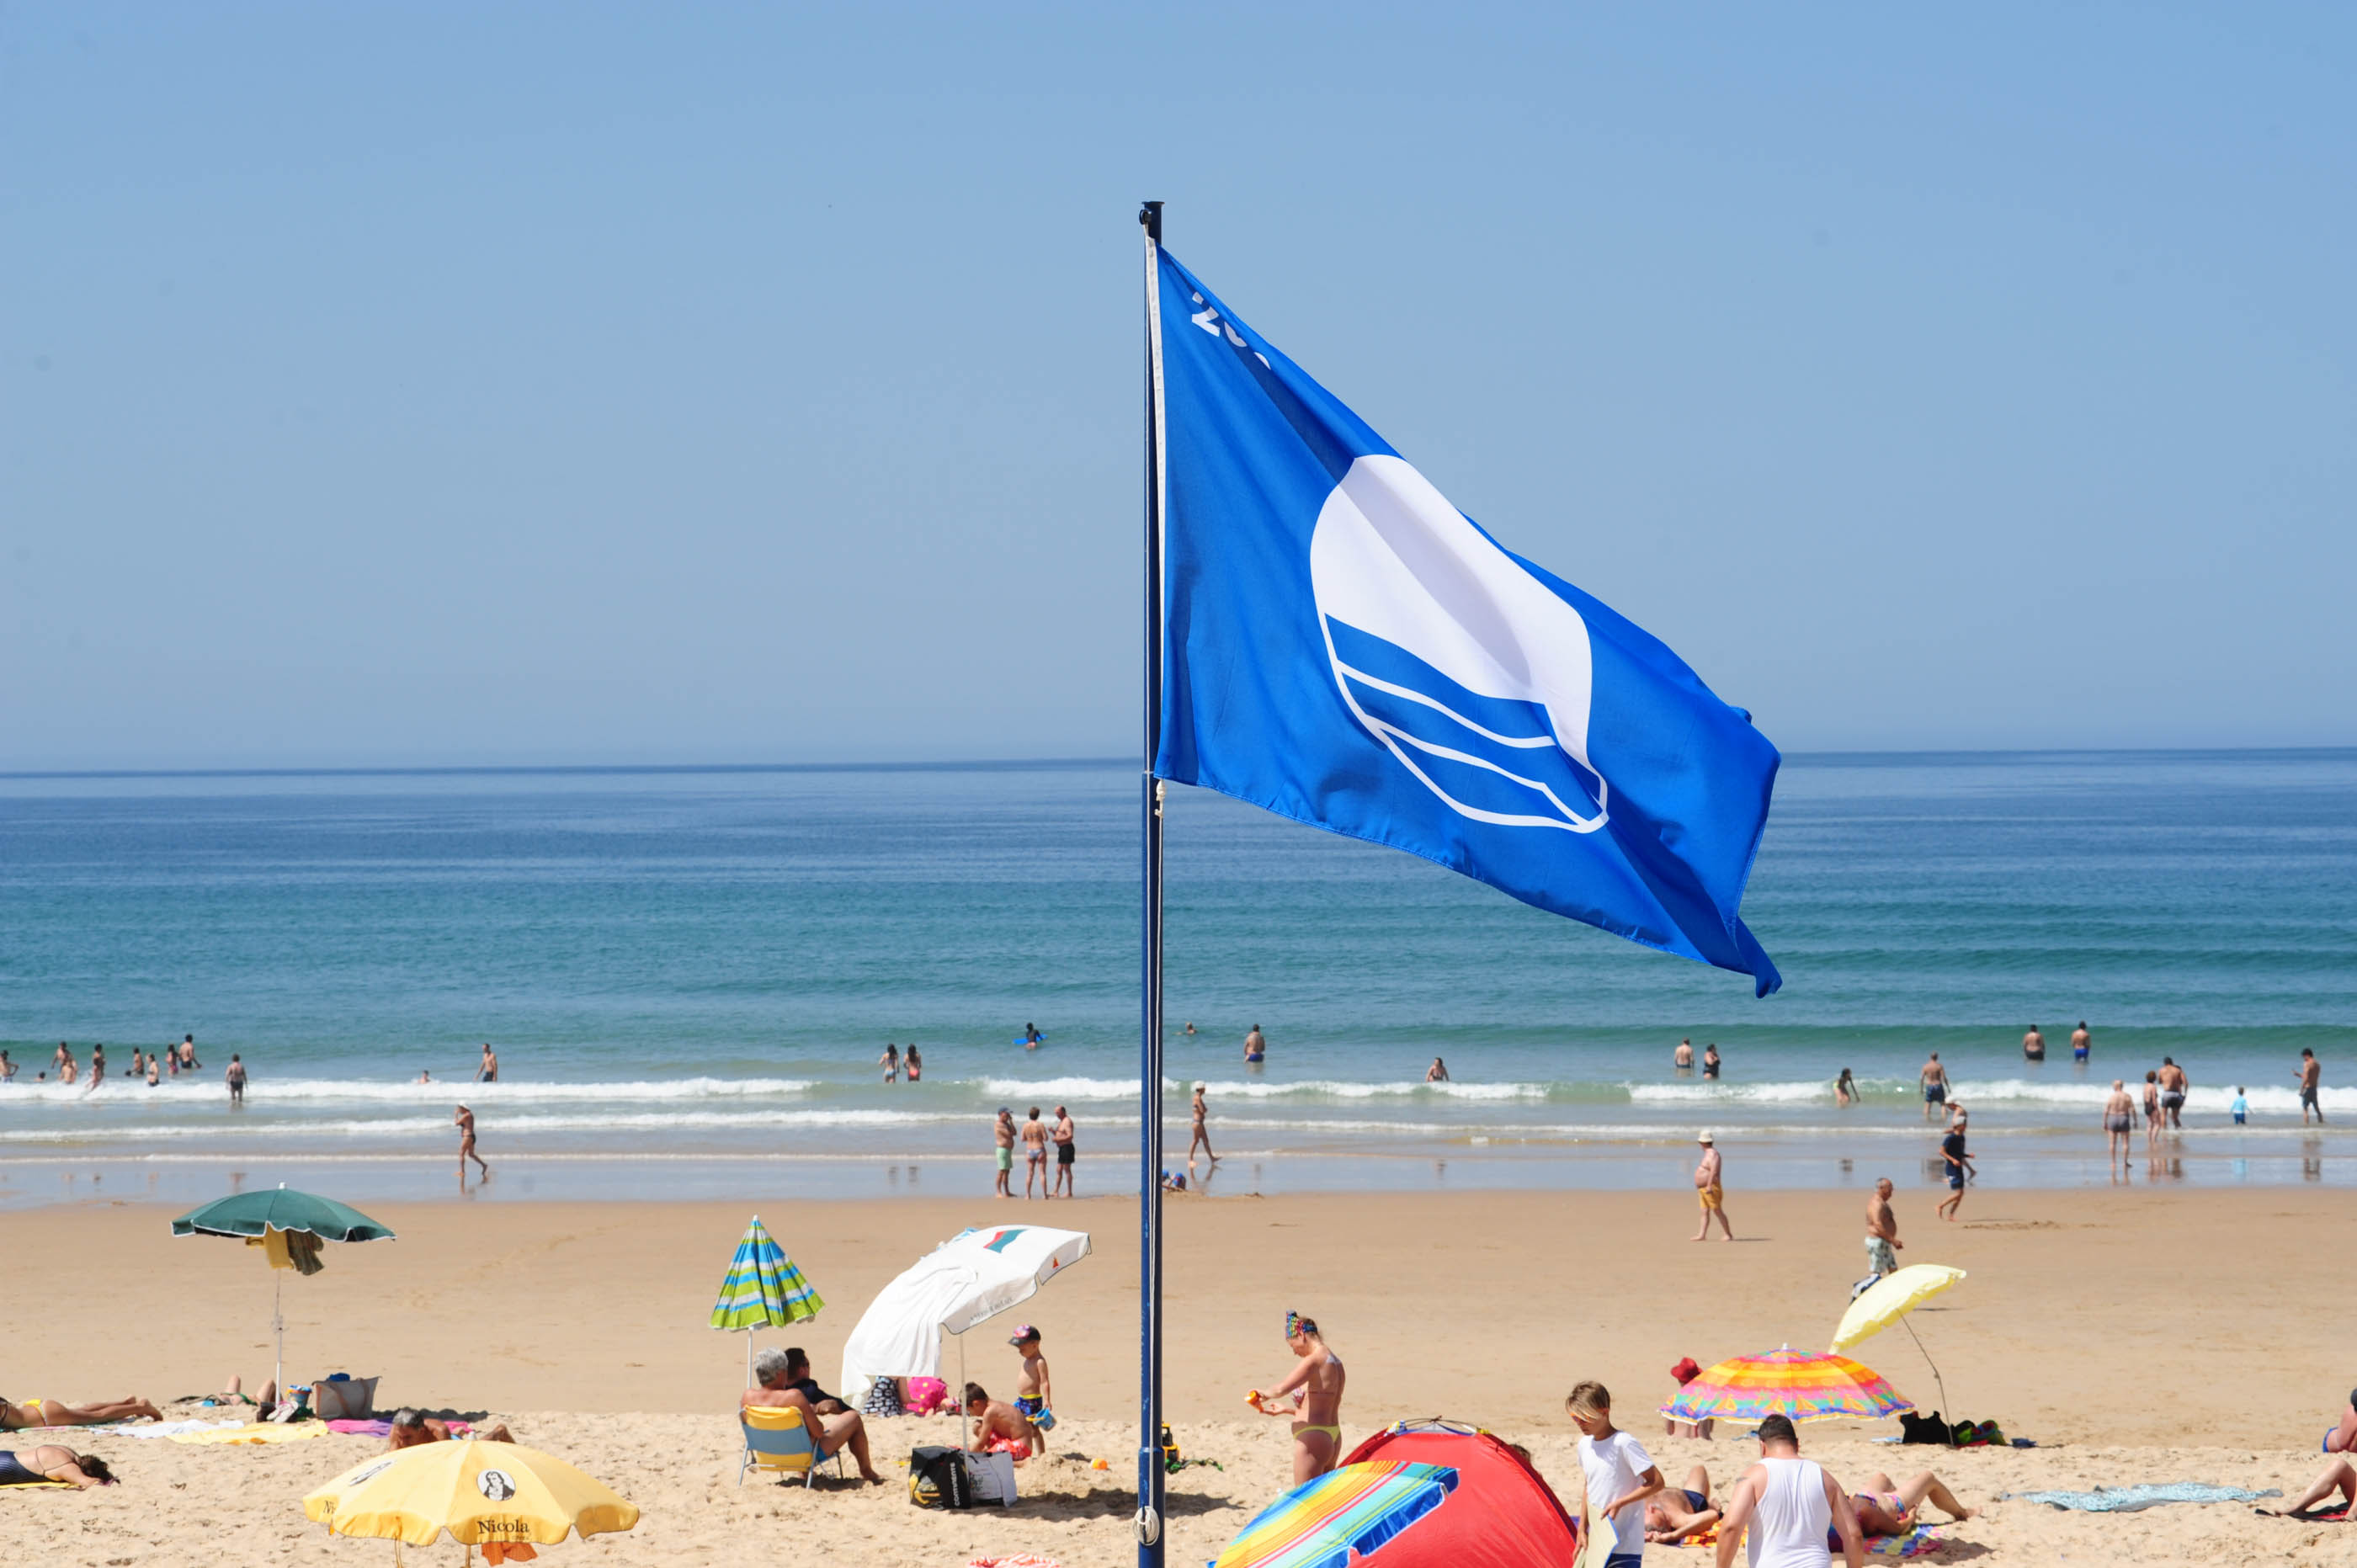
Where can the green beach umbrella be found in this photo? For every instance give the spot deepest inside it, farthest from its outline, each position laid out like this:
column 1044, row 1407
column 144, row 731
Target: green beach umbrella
column 253, row 1215
column 763, row 1290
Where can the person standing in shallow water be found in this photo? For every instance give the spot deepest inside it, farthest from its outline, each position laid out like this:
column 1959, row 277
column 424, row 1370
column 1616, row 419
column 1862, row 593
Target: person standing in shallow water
column 2082, row 1042
column 2033, row 1046
column 1710, row 1060
column 1683, row 1057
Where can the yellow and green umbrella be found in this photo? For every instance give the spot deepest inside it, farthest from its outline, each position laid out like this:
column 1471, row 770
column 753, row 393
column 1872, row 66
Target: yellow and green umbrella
column 498, row 1496
column 763, row 1290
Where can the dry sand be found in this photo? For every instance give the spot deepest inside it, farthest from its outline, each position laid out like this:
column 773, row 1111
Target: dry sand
column 2139, row 1336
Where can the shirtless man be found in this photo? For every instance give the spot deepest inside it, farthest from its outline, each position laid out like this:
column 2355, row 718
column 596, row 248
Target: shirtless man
column 1709, row 1189
column 1004, row 1131
column 2173, row 1085
column 2033, row 1046
column 2119, row 1115
column 488, row 1069
column 1034, row 1155
column 830, row 1433
column 1882, row 1243
column 1255, row 1046
column 409, row 1429
column 235, row 1077
column 1202, row 1135
column 1315, row 1385
column 2082, row 1042
column 465, row 1123
column 1683, row 1057
column 998, row 1427
column 2308, row 1072
column 7, row 1068
column 1065, row 1153
column 1935, row 1079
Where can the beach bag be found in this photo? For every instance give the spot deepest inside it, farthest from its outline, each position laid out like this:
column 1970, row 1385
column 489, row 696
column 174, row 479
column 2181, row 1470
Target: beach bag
column 990, row 1478
column 344, row 1398
column 938, row 1478
column 1913, row 1428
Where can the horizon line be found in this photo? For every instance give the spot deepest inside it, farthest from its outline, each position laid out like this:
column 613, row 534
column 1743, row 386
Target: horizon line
column 1044, row 764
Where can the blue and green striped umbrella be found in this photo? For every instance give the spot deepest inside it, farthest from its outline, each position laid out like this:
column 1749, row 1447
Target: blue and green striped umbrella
column 763, row 1290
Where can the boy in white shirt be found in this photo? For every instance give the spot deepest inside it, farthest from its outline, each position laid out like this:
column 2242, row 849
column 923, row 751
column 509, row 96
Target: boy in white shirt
column 1620, row 1476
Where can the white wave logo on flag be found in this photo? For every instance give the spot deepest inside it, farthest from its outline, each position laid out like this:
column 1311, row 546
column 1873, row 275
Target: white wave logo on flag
column 1468, row 669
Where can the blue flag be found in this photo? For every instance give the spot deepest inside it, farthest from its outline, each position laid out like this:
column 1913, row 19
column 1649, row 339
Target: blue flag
column 1343, row 647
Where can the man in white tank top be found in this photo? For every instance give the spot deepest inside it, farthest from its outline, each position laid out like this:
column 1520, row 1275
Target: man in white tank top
column 1794, row 1511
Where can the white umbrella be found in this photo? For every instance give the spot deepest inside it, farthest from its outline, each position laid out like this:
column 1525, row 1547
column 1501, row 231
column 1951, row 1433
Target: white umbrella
column 972, row 1277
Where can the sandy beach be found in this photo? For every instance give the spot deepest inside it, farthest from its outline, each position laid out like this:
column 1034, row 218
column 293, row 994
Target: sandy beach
column 2126, row 1333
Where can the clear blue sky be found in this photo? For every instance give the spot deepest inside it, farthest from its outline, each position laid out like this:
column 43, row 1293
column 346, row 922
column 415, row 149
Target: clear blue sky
column 415, row 383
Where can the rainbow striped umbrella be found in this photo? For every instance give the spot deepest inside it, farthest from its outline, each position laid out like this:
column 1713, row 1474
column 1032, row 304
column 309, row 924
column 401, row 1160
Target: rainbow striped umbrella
column 763, row 1290
column 1796, row 1384
column 1356, row 1508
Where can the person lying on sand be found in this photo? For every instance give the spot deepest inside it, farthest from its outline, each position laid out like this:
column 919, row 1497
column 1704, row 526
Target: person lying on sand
column 53, row 1462
column 1682, row 1511
column 410, row 1429
column 998, row 1427
column 830, row 1433
column 2339, row 1475
column 39, row 1411
column 1884, row 1508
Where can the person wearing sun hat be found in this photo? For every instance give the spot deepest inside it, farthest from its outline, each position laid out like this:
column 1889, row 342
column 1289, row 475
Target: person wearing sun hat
column 1033, row 1400
column 1709, row 1188
column 1686, row 1371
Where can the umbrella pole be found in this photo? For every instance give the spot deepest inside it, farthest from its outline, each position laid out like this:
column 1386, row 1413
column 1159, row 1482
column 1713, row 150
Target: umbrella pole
column 278, row 1330
column 1942, row 1383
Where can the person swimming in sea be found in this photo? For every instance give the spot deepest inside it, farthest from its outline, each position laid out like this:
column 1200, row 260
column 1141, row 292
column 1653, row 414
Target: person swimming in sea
column 1255, row 1052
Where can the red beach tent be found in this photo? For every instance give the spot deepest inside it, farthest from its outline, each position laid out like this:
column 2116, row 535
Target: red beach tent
column 1503, row 1514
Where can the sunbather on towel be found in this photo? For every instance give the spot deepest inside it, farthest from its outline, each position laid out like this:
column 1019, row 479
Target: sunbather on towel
column 53, row 1462
column 2339, row 1475
column 410, row 1429
column 1886, row 1508
column 998, row 1427
column 39, row 1411
column 830, row 1433
column 1682, row 1511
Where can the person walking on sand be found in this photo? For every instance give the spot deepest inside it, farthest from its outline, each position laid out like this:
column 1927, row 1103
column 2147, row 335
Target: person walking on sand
column 890, row 1061
column 1316, row 1411
column 1065, row 1153
column 2310, row 1072
column 1255, row 1047
column 1709, row 1189
column 1620, row 1478
column 465, row 1123
column 2119, row 1115
column 1935, row 1078
column 1034, row 1155
column 488, row 1069
column 1201, row 1135
column 2082, row 1042
column 1004, row 1131
column 2173, row 1086
column 1958, row 1165
column 1882, row 1243
column 236, row 1080
column 1791, row 1508
column 1683, row 1057
column 2033, row 1046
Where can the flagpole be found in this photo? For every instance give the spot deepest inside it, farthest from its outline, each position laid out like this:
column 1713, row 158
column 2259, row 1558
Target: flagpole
column 1150, row 1472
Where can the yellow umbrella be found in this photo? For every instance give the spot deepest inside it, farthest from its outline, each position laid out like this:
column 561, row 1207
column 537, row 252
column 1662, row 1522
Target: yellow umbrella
column 1889, row 1300
column 497, row 1494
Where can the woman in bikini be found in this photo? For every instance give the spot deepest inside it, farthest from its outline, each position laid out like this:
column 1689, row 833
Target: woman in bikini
column 916, row 1064
column 890, row 1061
column 1201, row 1139
column 57, row 1413
column 1682, row 1511
column 1885, row 1507
column 53, row 1462
column 1315, row 1410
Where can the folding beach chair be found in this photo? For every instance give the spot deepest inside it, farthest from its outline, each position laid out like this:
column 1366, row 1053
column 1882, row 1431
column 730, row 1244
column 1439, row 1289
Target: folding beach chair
column 776, row 1439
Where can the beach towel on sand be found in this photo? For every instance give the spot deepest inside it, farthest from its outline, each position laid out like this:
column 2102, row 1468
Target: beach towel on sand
column 2133, row 1500
column 259, row 1432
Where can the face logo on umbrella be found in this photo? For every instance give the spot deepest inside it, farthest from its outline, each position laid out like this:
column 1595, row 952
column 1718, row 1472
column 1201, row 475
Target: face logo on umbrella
column 496, row 1485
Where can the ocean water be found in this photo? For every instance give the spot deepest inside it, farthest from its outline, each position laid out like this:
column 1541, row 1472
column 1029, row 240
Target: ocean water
column 689, row 974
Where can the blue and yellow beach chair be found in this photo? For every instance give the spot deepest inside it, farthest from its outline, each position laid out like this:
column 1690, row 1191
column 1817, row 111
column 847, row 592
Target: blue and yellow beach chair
column 776, row 1439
